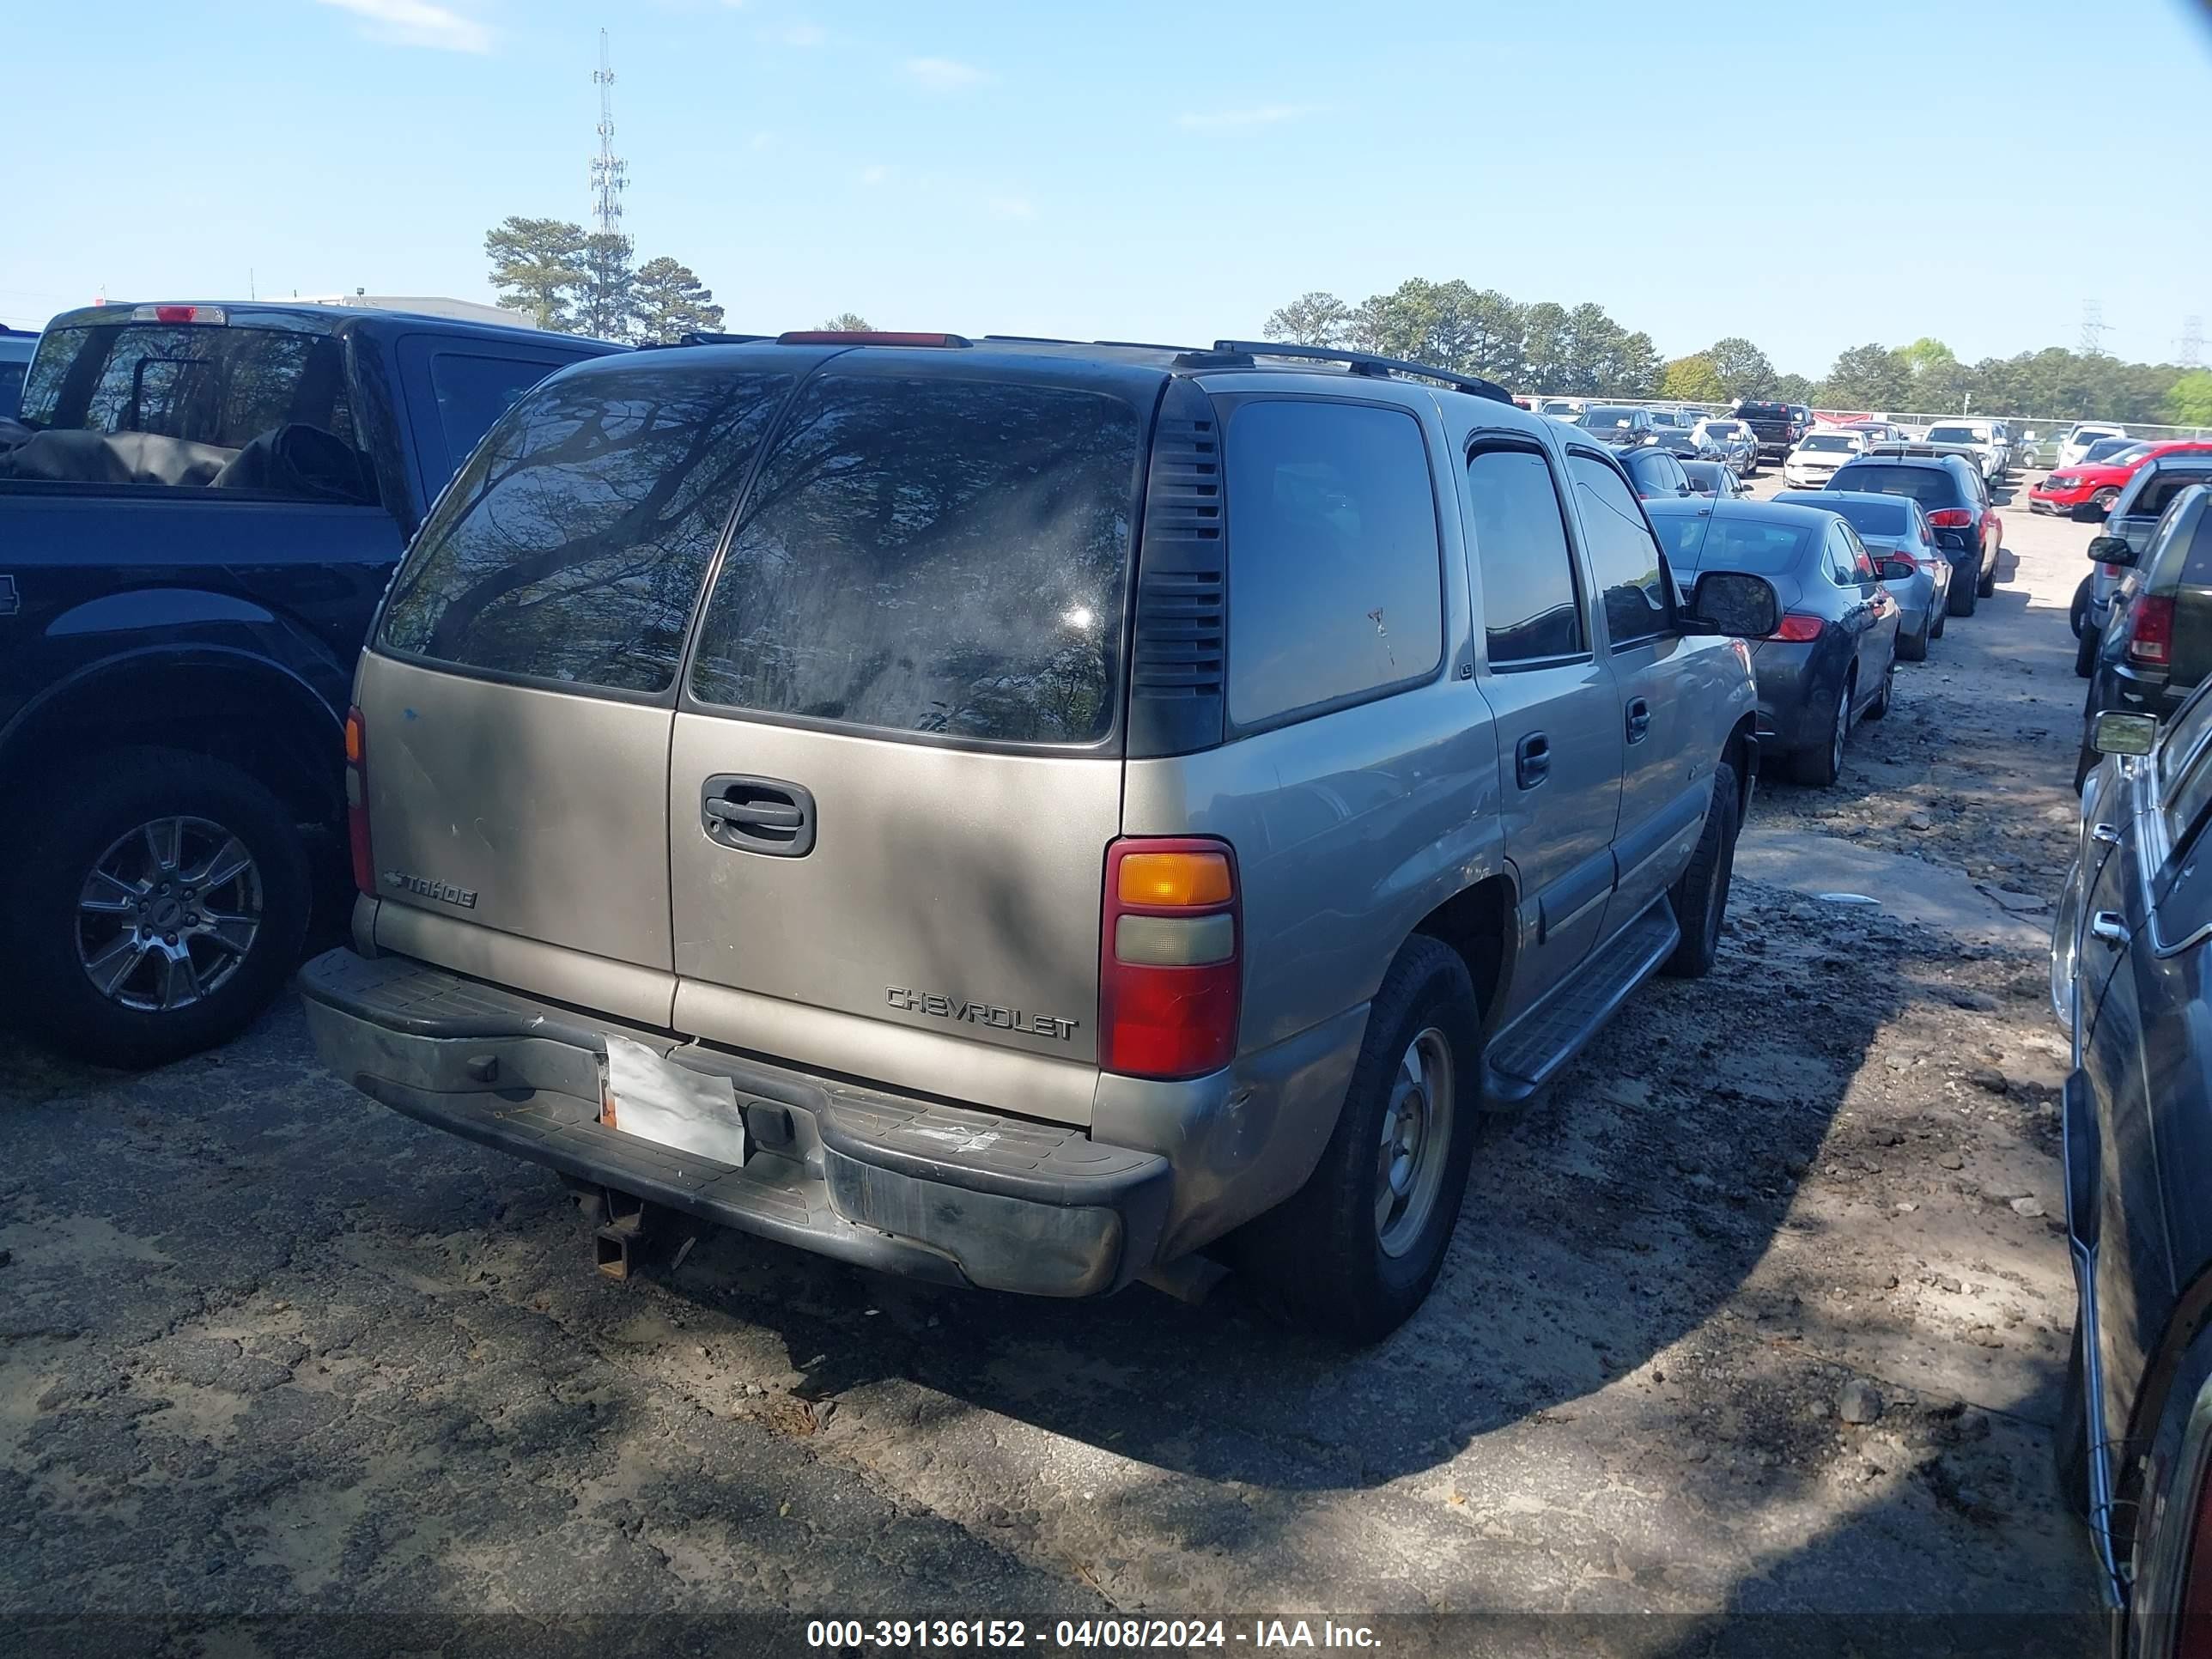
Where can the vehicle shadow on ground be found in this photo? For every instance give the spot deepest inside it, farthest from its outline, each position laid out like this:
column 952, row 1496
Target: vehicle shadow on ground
column 1613, row 1217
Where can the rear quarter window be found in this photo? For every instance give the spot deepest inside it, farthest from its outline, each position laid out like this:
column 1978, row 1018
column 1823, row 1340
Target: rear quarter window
column 1335, row 580
column 572, row 546
column 936, row 556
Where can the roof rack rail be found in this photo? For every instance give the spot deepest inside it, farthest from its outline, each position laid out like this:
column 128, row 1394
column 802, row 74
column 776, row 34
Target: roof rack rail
column 1364, row 363
column 714, row 337
column 1031, row 339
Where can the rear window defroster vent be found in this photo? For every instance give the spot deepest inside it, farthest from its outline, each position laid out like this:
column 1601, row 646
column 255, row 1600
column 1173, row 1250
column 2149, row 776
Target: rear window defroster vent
column 1176, row 671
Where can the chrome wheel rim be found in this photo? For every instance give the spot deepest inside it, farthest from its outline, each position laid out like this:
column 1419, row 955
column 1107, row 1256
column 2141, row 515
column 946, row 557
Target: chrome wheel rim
column 168, row 914
column 1416, row 1134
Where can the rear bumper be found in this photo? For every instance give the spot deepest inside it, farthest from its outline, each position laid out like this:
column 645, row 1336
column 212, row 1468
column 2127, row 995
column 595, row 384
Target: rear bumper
column 909, row 1185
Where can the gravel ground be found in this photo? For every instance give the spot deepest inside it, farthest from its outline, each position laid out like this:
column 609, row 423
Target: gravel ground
column 1763, row 1311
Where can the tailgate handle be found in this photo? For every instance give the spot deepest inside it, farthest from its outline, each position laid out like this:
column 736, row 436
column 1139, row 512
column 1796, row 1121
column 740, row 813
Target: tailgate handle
column 757, row 815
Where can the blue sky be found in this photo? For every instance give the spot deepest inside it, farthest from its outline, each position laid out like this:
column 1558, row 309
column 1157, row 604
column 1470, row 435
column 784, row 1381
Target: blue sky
column 1149, row 171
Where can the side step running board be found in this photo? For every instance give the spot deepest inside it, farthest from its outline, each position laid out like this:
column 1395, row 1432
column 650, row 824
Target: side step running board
column 1538, row 1046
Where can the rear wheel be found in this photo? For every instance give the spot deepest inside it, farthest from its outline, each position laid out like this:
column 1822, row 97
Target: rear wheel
column 1355, row 1250
column 1914, row 647
column 2101, row 503
column 1965, row 594
column 159, row 907
column 2078, row 614
column 1987, row 585
column 1942, row 615
column 2170, row 1546
column 1821, row 766
column 2085, row 652
column 1880, row 706
column 1700, row 894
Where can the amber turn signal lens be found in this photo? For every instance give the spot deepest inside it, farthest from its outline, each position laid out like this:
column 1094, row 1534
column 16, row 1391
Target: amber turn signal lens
column 353, row 738
column 1175, row 879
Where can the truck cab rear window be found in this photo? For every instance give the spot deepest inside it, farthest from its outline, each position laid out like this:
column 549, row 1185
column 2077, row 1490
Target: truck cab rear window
column 224, row 386
column 573, row 545
column 935, row 556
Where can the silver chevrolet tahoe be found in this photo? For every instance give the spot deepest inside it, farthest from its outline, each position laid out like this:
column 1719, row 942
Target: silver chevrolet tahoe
column 1021, row 813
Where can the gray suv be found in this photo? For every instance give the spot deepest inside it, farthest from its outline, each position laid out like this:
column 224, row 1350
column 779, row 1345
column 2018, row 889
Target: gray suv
column 1020, row 812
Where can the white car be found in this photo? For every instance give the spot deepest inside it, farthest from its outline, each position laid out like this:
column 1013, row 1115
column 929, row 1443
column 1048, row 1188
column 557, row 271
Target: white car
column 1983, row 437
column 1818, row 455
column 2076, row 444
column 1562, row 409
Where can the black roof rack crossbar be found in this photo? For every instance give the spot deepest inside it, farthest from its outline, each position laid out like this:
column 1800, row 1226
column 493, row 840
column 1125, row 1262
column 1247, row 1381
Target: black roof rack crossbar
column 1367, row 362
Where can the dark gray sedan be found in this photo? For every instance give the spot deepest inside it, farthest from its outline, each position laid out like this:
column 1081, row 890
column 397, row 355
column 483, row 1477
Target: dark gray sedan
column 1834, row 656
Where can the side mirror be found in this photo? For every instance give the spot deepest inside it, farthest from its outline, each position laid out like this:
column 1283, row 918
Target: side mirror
column 2112, row 550
column 2114, row 732
column 1734, row 603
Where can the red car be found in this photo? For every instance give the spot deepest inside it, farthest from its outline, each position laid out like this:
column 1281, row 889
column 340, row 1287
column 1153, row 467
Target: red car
column 2089, row 491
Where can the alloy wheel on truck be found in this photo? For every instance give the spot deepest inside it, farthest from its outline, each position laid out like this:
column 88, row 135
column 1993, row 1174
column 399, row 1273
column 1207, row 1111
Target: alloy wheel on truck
column 158, row 908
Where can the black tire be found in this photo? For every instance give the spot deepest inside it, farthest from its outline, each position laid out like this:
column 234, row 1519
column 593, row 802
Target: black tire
column 1914, row 647
column 2163, row 1514
column 1942, row 616
column 2069, row 1434
column 2077, row 614
column 1879, row 707
column 1820, row 766
column 2102, row 503
column 1700, row 893
column 1987, row 586
column 1320, row 1254
column 1964, row 596
column 2085, row 652
column 101, row 804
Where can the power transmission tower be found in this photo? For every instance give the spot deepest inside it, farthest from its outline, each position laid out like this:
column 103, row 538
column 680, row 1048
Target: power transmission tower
column 2093, row 328
column 2192, row 342
column 610, row 173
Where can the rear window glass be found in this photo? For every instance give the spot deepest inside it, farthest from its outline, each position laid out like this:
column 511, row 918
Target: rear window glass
column 1869, row 518
column 473, row 392
column 1763, row 411
column 1930, row 486
column 1832, row 441
column 1606, row 418
column 12, row 386
column 572, row 545
column 2158, row 495
column 1735, row 543
column 1956, row 434
column 217, row 384
column 931, row 555
column 1335, row 583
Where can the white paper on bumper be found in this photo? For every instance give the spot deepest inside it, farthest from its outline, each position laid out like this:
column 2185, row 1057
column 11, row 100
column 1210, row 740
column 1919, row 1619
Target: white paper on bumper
column 672, row 1105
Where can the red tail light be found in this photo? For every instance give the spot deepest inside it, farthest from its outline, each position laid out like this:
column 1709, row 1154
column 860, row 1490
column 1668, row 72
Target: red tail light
column 1170, row 958
column 1798, row 629
column 356, row 783
column 1899, row 555
column 2151, row 638
column 178, row 314
column 1950, row 518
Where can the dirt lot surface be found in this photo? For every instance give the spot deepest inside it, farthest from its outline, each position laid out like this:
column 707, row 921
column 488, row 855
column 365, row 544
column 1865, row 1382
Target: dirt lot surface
column 1763, row 1311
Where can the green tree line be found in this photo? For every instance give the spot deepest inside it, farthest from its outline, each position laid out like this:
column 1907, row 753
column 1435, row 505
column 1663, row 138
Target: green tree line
column 577, row 282
column 1581, row 351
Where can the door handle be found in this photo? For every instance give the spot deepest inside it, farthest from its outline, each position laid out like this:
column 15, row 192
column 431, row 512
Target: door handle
column 1639, row 719
column 2105, row 834
column 2108, row 926
column 1532, row 760
column 754, row 814
column 757, row 815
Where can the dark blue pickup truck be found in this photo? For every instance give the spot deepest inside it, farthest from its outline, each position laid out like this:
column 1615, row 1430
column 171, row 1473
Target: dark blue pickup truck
column 199, row 508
